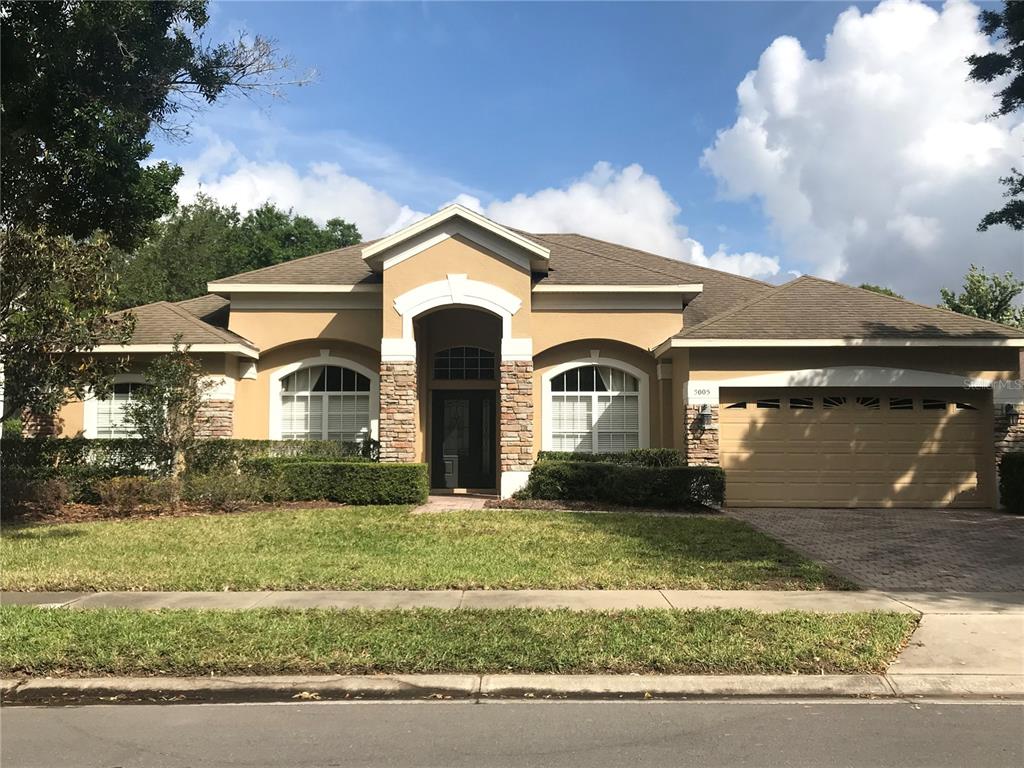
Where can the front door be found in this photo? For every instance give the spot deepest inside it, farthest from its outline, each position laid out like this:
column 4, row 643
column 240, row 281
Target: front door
column 463, row 429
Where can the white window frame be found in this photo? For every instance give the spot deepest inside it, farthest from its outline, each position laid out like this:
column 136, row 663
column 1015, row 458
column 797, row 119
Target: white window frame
column 278, row 377
column 643, row 396
column 91, row 406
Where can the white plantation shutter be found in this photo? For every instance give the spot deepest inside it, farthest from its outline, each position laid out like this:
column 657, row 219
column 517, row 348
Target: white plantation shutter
column 602, row 414
column 325, row 403
column 110, row 415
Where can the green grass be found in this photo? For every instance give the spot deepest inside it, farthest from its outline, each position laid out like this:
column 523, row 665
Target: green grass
column 36, row 641
column 388, row 548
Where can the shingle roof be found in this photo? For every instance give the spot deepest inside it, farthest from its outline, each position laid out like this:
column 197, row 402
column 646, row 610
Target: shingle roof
column 162, row 321
column 579, row 260
column 211, row 309
column 812, row 308
column 343, row 266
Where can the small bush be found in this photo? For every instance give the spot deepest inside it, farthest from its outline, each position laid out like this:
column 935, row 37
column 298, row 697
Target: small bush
column 640, row 457
column 48, row 495
column 224, row 491
column 638, row 486
column 123, row 496
column 1011, row 482
column 345, row 482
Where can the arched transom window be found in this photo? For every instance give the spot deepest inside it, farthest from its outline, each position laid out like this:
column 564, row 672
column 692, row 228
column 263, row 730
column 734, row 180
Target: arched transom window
column 595, row 408
column 325, row 402
column 464, row 364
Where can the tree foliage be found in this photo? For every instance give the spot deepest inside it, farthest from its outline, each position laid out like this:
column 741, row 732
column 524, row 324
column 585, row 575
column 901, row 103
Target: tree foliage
column 881, row 289
column 205, row 241
column 167, row 411
column 54, row 297
column 989, row 297
column 1006, row 26
column 84, row 84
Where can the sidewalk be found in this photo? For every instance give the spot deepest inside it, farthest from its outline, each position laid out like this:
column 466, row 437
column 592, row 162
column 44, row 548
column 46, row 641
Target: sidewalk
column 924, row 603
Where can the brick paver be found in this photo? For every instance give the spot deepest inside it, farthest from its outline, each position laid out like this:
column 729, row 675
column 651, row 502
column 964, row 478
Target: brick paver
column 899, row 549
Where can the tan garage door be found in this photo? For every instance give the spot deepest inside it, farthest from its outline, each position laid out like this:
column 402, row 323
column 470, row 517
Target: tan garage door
column 855, row 448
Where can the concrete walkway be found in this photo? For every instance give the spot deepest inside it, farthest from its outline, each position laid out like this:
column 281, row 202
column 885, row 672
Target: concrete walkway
column 924, row 603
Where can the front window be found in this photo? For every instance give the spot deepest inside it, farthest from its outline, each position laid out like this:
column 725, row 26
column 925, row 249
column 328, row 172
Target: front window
column 111, row 420
column 595, row 408
column 325, row 402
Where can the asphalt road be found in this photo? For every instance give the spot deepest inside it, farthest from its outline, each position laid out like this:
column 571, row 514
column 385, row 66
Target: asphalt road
column 520, row 734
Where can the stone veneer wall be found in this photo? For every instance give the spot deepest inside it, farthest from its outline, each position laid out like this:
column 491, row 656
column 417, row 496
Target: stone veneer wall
column 216, row 418
column 701, row 451
column 516, row 396
column 40, row 425
column 398, row 411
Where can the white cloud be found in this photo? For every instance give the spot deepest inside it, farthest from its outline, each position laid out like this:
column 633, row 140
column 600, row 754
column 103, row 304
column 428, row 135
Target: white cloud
column 627, row 205
column 876, row 162
column 321, row 191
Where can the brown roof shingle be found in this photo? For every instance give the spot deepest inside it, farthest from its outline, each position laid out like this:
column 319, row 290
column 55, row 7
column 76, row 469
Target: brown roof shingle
column 162, row 321
column 812, row 308
column 343, row 266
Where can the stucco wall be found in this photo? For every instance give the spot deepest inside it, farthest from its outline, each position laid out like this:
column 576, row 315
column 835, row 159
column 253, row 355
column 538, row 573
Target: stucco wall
column 640, row 328
column 459, row 256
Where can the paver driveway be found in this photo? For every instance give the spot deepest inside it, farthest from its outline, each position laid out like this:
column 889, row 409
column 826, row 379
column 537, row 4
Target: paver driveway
column 917, row 549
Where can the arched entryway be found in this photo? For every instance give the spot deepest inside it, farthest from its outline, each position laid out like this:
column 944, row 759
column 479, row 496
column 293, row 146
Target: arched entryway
column 458, row 351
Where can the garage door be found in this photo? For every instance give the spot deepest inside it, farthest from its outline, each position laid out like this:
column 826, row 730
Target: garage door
column 855, row 448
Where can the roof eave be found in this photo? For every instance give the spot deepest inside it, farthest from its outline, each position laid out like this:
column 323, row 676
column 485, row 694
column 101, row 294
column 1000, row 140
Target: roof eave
column 226, row 289
column 240, row 350
column 947, row 341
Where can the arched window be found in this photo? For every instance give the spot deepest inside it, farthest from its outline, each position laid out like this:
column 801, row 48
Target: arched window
column 325, row 402
column 464, row 364
column 111, row 420
column 595, row 409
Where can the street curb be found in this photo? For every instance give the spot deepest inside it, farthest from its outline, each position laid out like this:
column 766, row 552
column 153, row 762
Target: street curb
column 111, row 690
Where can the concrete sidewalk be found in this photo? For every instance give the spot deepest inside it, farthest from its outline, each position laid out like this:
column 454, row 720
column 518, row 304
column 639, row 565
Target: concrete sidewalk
column 924, row 603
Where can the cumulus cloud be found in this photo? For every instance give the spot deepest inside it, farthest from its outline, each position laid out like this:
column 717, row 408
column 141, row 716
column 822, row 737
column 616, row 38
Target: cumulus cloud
column 321, row 191
column 876, row 162
column 627, row 206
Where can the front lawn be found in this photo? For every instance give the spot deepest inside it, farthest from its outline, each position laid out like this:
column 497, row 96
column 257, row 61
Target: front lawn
column 37, row 642
column 388, row 548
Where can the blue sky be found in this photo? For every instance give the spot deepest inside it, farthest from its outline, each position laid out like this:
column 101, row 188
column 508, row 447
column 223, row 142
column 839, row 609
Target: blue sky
column 421, row 102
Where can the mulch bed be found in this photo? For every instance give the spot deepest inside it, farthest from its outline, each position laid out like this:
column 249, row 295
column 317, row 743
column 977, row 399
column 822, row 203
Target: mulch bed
column 88, row 513
column 593, row 506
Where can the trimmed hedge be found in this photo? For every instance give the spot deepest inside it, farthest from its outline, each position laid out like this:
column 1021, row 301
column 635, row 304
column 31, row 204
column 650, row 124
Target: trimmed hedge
column 640, row 457
column 635, row 486
column 345, row 482
column 1011, row 482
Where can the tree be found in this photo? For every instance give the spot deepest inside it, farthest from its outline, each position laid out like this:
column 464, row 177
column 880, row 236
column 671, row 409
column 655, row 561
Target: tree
column 167, row 411
column 881, row 289
column 53, row 302
column 206, row 241
column 989, row 297
column 83, row 85
column 1007, row 26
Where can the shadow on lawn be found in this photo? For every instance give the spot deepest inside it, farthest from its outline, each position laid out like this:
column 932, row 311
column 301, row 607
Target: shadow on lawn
column 29, row 532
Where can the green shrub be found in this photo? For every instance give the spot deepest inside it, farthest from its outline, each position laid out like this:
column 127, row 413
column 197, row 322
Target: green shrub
column 1011, row 482
column 48, row 495
column 637, row 486
column 123, row 496
column 641, row 457
column 224, row 491
column 345, row 482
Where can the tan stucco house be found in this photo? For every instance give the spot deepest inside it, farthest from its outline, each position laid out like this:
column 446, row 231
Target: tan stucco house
column 472, row 346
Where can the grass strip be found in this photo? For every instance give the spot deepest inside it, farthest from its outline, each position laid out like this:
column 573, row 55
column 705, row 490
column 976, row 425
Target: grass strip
column 35, row 641
column 389, row 548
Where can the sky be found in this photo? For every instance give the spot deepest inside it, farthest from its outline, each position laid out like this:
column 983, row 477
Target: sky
column 768, row 139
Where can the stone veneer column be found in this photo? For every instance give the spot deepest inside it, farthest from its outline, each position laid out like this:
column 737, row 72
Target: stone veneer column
column 40, row 424
column 398, row 411
column 216, row 418
column 701, row 450
column 516, row 426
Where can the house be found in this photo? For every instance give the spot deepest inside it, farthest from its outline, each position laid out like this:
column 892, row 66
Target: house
column 472, row 346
